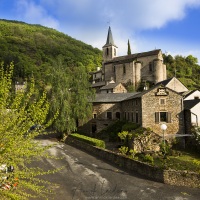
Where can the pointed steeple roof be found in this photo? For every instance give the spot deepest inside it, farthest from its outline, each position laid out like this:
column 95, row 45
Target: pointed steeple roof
column 109, row 40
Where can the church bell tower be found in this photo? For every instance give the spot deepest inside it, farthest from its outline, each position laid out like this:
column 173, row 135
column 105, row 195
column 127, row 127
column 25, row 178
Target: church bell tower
column 109, row 49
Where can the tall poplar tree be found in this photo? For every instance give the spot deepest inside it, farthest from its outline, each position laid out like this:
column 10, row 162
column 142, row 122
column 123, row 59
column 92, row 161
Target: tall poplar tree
column 129, row 48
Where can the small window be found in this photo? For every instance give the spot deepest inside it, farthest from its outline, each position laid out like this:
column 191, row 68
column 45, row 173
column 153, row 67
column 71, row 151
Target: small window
column 117, row 115
column 136, row 117
column 125, row 115
column 94, row 116
column 162, row 101
column 136, row 102
column 150, row 67
column 132, row 116
column 107, row 51
column 114, row 68
column 109, row 115
column 128, row 116
column 196, row 97
column 163, row 117
column 124, row 69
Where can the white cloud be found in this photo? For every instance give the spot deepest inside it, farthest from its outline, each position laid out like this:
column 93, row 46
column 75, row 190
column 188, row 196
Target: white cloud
column 28, row 11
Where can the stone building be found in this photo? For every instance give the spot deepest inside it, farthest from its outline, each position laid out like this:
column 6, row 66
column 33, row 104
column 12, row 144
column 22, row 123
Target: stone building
column 132, row 69
column 149, row 109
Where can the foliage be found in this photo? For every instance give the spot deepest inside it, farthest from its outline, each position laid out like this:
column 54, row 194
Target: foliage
column 123, row 150
column 148, row 158
column 129, row 49
column 112, row 131
column 89, row 140
column 19, row 111
column 129, row 126
column 186, row 69
column 69, row 91
column 33, row 47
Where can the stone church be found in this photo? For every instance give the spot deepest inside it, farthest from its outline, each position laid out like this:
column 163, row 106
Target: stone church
column 161, row 103
column 133, row 69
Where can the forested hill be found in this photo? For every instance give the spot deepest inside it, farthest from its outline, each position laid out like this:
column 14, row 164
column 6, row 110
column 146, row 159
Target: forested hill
column 33, row 48
column 186, row 69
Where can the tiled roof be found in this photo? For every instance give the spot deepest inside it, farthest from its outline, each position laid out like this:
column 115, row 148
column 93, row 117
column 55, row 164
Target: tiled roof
column 98, row 84
column 188, row 104
column 112, row 97
column 134, row 56
column 109, row 86
column 165, row 82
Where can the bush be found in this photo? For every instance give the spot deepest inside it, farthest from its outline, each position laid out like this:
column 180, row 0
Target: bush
column 89, row 140
column 130, row 126
column 148, row 158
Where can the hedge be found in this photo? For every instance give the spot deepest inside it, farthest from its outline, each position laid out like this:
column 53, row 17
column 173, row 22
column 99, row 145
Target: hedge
column 89, row 140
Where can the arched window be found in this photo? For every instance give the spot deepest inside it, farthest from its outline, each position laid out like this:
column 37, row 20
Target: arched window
column 107, row 51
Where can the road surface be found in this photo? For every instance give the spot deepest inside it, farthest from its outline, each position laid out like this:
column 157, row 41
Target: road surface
column 85, row 177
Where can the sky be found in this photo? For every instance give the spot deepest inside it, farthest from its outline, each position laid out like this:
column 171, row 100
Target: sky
column 170, row 25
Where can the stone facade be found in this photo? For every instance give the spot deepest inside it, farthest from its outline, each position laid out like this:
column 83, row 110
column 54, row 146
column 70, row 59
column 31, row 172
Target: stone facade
column 149, row 109
column 134, row 68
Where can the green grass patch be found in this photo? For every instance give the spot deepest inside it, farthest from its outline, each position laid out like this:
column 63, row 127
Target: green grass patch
column 183, row 161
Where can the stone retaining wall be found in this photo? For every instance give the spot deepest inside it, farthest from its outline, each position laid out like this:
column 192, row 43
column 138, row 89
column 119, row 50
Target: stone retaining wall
column 172, row 177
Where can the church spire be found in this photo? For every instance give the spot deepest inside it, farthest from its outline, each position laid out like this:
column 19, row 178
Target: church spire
column 109, row 40
column 109, row 49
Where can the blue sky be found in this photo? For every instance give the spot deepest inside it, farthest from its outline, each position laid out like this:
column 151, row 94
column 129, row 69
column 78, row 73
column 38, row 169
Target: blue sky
column 169, row 25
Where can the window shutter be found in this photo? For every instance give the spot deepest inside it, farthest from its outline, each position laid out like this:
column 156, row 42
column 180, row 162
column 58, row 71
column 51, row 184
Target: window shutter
column 157, row 117
column 169, row 117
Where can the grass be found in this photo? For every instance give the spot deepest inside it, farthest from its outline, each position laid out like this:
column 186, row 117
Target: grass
column 185, row 161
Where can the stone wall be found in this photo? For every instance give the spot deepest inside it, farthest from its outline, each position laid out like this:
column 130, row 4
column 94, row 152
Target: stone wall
column 172, row 177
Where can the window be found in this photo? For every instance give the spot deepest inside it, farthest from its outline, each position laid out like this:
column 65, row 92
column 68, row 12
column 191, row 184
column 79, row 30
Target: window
column 94, row 116
column 196, row 97
column 114, row 68
column 107, row 51
column 128, row 116
column 136, row 102
column 125, row 115
column 124, row 68
column 132, row 116
column 136, row 117
column 163, row 117
column 109, row 115
column 117, row 115
column 162, row 101
column 150, row 67
column 94, row 128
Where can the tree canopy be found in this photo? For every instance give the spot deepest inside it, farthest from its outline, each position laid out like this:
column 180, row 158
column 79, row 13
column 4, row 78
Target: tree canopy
column 186, row 69
column 19, row 111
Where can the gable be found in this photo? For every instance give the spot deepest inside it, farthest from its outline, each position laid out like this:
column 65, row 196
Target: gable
column 192, row 95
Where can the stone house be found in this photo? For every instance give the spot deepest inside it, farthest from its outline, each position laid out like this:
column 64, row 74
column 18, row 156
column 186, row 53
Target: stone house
column 113, row 87
column 132, row 69
column 149, row 109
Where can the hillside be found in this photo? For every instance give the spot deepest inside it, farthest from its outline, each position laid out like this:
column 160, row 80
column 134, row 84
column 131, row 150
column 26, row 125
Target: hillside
column 33, row 48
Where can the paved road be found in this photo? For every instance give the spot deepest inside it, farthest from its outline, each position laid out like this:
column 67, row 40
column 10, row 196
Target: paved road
column 85, row 177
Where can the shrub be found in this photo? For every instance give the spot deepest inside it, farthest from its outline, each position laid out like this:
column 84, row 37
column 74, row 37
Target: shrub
column 130, row 126
column 89, row 140
column 148, row 158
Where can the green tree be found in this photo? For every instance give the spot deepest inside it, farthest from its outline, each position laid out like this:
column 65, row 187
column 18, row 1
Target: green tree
column 69, row 92
column 19, row 111
column 129, row 48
